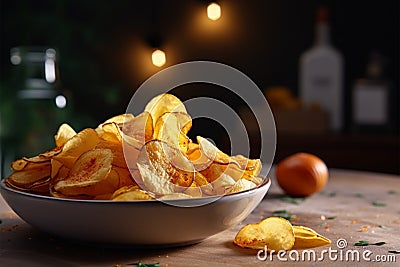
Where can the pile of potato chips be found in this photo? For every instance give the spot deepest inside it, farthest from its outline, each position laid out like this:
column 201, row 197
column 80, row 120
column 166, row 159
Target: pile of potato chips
column 135, row 158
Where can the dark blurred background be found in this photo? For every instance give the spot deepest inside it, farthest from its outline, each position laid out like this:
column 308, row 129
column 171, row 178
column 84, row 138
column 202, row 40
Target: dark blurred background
column 103, row 54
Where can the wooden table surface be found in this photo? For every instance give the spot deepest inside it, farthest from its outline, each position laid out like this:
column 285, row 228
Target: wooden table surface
column 354, row 206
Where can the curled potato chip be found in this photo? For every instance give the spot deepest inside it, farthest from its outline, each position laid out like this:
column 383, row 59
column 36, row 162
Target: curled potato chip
column 274, row 232
column 211, row 151
column 139, row 130
column 125, row 177
column 173, row 196
column 129, row 193
column 306, row 237
column 111, row 133
column 27, row 178
column 119, row 119
column 197, row 157
column 164, row 103
column 76, row 146
column 117, row 151
column 164, row 169
column 242, row 185
column 64, row 133
column 193, row 190
column 90, row 175
column 169, row 126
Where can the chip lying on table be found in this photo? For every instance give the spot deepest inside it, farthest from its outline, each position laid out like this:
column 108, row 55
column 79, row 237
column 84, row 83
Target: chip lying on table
column 139, row 157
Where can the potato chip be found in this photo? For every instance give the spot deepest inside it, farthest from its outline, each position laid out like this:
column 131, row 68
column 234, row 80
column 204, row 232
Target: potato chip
column 125, row 178
column 242, row 185
column 164, row 169
column 223, row 184
column 131, row 194
column 164, row 103
column 197, row 157
column 117, row 151
column 119, row 119
column 211, row 151
column 64, row 133
column 173, row 196
column 111, row 133
column 55, row 167
column 193, row 190
column 90, row 175
column 274, row 232
column 169, row 126
column 306, row 237
column 76, row 146
column 139, row 130
column 26, row 178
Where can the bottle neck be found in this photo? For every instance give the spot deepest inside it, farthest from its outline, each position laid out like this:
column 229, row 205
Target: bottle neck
column 322, row 34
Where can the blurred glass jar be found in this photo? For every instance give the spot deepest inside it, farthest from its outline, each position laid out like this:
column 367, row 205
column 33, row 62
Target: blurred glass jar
column 39, row 106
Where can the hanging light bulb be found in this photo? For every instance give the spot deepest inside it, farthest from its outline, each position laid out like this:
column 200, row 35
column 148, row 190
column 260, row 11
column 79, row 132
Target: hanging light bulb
column 214, row 11
column 158, row 58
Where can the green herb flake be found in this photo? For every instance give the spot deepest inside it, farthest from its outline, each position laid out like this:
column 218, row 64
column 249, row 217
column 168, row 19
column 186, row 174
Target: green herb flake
column 382, row 226
column 279, row 211
column 394, row 251
column 379, row 204
column 141, row 264
column 292, row 200
column 379, row 243
column 283, row 214
column 392, row 192
column 361, row 243
column 331, row 218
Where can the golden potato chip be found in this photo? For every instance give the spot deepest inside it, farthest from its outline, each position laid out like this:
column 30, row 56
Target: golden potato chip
column 173, row 196
column 64, row 133
column 164, row 103
column 164, row 169
column 55, row 167
column 203, row 184
column 139, row 130
column 169, row 126
column 211, row 151
column 90, row 175
column 242, row 185
column 111, row 133
column 223, row 184
column 119, row 119
column 274, row 232
column 123, row 190
column 26, row 178
column 247, row 164
column 76, row 146
column 117, row 151
column 125, row 178
column 197, row 157
column 193, row 190
column 306, row 237
column 132, row 194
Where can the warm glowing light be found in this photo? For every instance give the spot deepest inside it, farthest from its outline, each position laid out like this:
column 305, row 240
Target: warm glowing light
column 214, row 11
column 50, row 66
column 61, row 101
column 158, row 58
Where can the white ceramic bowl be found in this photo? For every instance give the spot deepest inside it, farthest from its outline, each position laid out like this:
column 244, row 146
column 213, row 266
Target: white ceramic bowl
column 149, row 222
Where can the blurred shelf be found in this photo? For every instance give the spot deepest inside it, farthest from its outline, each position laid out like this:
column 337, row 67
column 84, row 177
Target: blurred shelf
column 378, row 153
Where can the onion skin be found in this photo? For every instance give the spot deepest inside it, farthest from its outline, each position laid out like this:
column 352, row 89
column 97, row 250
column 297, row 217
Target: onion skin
column 302, row 174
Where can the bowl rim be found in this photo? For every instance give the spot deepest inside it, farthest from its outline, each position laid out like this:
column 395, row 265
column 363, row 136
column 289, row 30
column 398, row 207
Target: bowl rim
column 265, row 184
